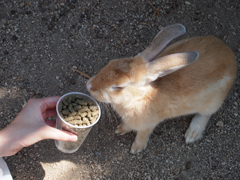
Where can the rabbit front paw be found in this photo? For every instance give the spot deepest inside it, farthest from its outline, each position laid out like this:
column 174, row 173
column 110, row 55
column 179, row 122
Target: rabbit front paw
column 138, row 147
column 196, row 128
column 193, row 134
column 123, row 128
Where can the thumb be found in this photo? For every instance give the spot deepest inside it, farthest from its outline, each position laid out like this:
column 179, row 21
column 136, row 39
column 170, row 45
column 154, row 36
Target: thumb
column 56, row 134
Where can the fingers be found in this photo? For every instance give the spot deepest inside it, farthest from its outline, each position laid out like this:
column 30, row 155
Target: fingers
column 48, row 102
column 49, row 113
column 56, row 134
column 51, row 101
column 51, row 123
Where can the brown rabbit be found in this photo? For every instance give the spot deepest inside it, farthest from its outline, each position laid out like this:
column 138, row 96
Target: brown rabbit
column 150, row 87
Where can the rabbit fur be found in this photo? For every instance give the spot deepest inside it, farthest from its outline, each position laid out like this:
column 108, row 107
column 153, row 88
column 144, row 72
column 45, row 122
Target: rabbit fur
column 191, row 76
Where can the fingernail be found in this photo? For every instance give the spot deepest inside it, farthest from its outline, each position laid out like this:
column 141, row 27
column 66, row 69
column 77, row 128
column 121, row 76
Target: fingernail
column 73, row 138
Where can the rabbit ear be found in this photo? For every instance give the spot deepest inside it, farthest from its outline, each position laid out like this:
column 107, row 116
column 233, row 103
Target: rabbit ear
column 170, row 63
column 161, row 40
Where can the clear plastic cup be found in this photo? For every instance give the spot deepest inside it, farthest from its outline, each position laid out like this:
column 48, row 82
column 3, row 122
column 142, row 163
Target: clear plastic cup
column 80, row 131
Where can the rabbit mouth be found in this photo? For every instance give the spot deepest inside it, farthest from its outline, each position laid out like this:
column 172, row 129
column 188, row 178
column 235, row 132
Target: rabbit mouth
column 100, row 96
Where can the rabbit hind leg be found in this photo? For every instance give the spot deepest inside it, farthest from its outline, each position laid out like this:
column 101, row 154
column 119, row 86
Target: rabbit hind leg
column 211, row 105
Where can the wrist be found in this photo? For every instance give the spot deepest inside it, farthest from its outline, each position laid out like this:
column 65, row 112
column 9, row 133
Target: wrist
column 8, row 146
column 3, row 144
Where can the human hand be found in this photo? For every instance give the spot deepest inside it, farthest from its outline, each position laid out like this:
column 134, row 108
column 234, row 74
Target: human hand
column 30, row 126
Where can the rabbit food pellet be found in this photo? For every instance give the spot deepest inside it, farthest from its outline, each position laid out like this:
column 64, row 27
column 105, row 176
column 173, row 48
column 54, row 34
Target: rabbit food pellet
column 77, row 111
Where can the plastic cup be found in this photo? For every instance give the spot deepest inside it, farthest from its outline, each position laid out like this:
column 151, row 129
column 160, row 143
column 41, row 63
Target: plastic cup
column 80, row 131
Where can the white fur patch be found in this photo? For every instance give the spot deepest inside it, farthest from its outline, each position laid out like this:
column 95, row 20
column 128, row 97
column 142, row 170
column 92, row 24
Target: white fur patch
column 89, row 86
column 106, row 97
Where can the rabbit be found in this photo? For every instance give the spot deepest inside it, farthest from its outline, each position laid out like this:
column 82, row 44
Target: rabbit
column 191, row 76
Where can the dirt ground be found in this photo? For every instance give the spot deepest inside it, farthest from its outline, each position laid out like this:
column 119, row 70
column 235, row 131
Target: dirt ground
column 42, row 41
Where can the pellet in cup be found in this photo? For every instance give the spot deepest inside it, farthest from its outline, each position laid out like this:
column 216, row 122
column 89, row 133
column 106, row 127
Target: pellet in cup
column 78, row 111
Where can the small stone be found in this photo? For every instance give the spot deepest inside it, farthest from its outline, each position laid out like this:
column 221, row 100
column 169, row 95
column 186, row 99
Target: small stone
column 187, row 3
column 188, row 165
column 35, row 145
column 21, row 5
column 39, row 91
column 119, row 158
column 184, row 175
column 31, row 155
column 140, row 26
column 219, row 124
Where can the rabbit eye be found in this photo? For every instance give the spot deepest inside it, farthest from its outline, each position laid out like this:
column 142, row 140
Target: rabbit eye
column 117, row 88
